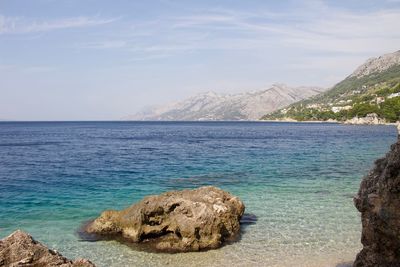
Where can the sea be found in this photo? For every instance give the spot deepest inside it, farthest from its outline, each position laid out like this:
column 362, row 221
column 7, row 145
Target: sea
column 297, row 181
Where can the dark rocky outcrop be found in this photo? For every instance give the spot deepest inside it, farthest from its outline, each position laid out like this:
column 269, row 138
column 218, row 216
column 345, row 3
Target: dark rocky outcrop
column 378, row 200
column 176, row 221
column 20, row 249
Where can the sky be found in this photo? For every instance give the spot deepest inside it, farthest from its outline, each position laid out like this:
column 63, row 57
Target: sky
column 104, row 60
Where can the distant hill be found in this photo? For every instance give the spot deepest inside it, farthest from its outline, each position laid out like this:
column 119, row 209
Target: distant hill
column 244, row 106
column 373, row 87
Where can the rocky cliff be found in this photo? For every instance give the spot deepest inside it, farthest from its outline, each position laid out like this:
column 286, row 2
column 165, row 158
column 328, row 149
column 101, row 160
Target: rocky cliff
column 378, row 200
column 377, row 64
column 369, row 119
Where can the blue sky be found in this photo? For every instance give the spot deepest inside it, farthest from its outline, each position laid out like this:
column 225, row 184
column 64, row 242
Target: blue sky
column 103, row 60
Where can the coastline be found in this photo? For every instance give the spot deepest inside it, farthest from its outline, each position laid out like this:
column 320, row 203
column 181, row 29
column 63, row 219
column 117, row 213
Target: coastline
column 333, row 122
column 292, row 120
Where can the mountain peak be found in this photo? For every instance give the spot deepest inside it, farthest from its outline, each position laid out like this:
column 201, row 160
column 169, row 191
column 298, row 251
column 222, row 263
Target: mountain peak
column 377, row 64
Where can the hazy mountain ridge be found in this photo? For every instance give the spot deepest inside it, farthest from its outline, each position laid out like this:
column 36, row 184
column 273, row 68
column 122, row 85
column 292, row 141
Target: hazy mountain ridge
column 374, row 87
column 242, row 106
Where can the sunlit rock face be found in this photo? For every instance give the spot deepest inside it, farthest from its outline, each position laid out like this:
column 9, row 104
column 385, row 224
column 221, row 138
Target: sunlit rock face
column 20, row 249
column 176, row 221
column 377, row 64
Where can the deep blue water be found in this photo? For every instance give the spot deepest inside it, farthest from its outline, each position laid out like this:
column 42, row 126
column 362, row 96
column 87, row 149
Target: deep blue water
column 297, row 179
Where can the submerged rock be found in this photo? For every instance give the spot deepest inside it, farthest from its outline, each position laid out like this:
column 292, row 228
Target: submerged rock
column 176, row 221
column 20, row 249
column 378, row 200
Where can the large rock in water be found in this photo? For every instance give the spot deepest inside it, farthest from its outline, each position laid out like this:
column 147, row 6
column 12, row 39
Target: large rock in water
column 176, row 221
column 20, row 249
column 378, row 200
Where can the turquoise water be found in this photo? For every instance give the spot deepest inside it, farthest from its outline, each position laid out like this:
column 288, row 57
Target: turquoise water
column 298, row 179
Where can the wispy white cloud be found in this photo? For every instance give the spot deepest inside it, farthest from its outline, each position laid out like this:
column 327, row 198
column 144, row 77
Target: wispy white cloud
column 38, row 69
column 25, row 69
column 20, row 25
column 339, row 31
column 6, row 67
column 345, row 32
column 316, row 27
column 104, row 44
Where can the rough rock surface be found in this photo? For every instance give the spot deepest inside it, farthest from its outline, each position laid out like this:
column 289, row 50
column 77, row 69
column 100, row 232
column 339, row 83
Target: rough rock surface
column 370, row 119
column 176, row 221
column 378, row 200
column 20, row 249
column 378, row 64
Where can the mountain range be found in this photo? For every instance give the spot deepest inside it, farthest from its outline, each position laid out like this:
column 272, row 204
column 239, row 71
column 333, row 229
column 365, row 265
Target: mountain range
column 212, row 106
column 373, row 88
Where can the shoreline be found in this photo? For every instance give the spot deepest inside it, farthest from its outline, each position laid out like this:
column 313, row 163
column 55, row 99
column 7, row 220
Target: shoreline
column 209, row 121
column 334, row 122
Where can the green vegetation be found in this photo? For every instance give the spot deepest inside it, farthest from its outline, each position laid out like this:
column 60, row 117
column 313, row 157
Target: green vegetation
column 352, row 97
column 390, row 109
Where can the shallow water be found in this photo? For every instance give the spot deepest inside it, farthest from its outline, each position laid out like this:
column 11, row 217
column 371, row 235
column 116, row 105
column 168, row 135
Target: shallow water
column 298, row 179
